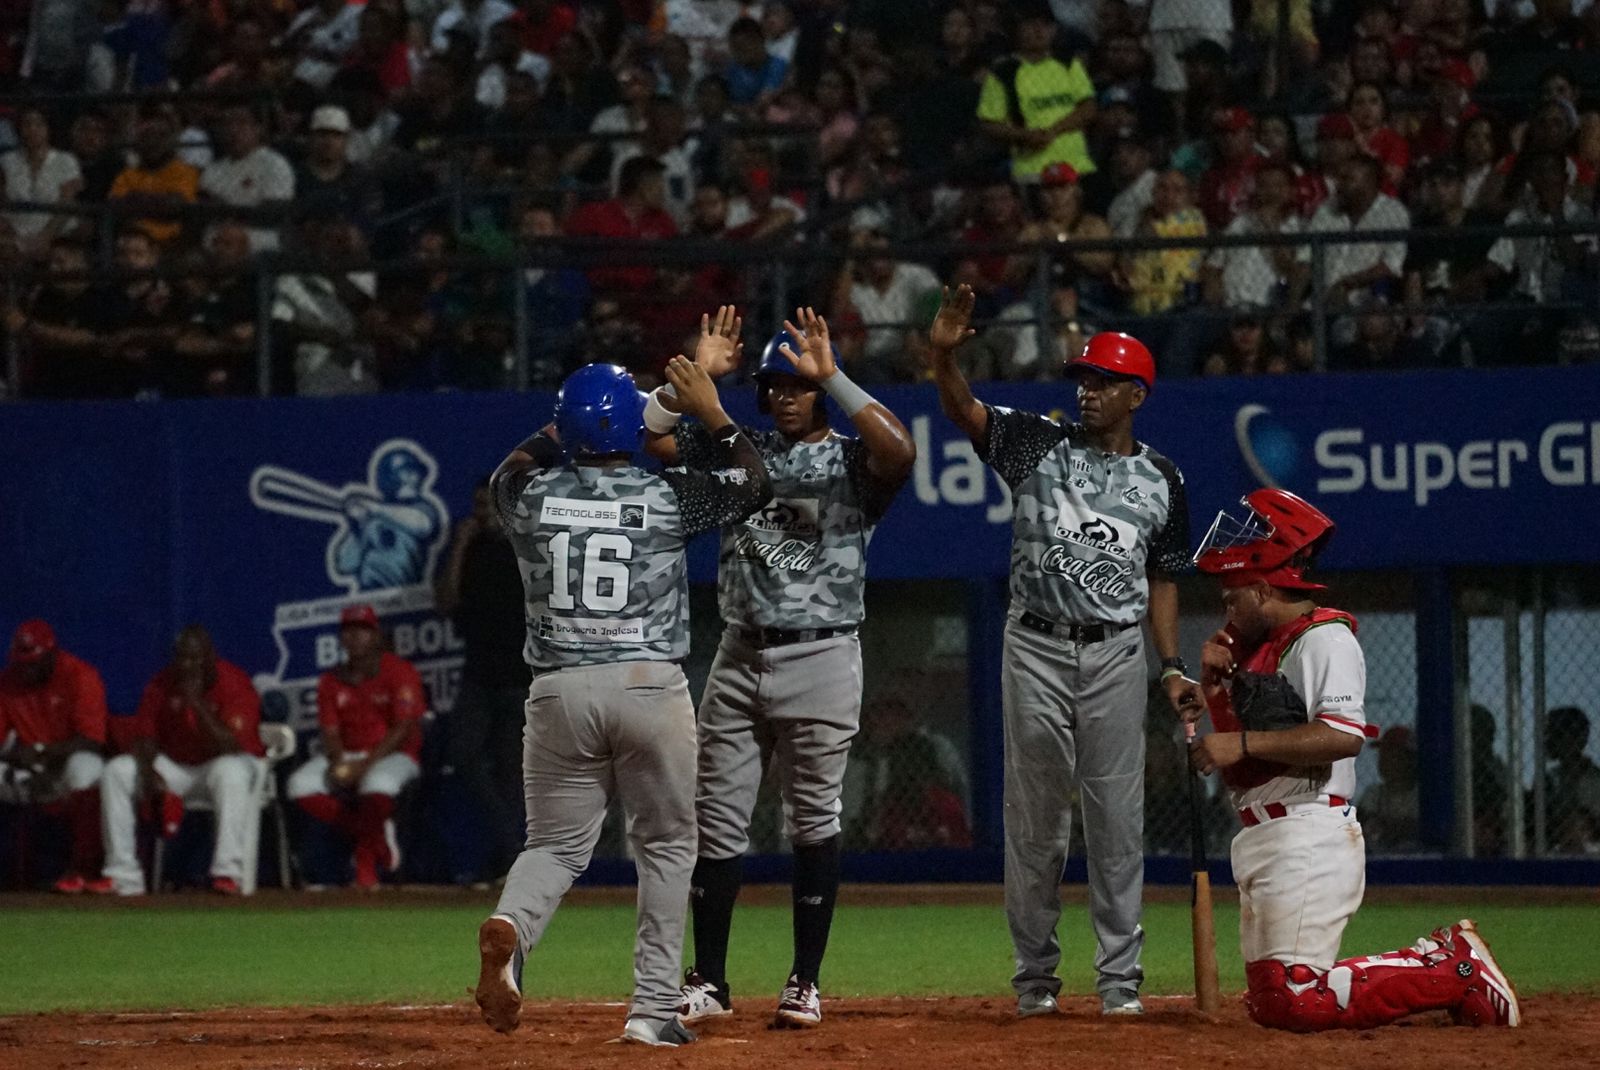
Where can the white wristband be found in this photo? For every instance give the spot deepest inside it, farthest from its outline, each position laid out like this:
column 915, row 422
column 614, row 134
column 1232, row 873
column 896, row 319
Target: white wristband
column 845, row 393
column 657, row 417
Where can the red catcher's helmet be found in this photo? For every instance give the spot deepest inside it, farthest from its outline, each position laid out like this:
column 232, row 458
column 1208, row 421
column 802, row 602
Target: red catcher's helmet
column 1118, row 354
column 1280, row 537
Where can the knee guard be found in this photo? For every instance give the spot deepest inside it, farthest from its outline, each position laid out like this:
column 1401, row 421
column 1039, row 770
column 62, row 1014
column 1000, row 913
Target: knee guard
column 1358, row 993
column 1280, row 996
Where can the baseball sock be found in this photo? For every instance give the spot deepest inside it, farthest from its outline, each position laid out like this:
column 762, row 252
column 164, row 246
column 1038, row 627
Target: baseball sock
column 712, row 892
column 816, row 886
column 326, row 809
column 83, row 814
column 371, row 812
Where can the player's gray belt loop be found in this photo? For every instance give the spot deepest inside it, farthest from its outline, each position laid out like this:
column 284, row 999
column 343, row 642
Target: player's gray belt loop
column 784, row 637
column 1073, row 633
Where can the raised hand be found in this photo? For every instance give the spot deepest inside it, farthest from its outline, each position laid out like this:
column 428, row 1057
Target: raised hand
column 719, row 349
column 697, row 394
column 951, row 326
column 815, row 361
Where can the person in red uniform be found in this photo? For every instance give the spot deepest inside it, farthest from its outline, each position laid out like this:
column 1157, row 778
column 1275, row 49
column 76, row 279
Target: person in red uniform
column 369, row 709
column 196, row 736
column 52, row 729
column 1227, row 185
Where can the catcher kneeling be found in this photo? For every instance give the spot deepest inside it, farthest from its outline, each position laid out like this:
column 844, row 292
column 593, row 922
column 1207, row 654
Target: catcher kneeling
column 1285, row 682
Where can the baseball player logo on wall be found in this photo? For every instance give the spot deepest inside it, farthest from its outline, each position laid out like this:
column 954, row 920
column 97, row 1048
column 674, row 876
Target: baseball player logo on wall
column 386, row 534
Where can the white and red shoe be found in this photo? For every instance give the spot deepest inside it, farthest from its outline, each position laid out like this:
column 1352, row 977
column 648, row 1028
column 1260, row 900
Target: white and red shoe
column 1491, row 998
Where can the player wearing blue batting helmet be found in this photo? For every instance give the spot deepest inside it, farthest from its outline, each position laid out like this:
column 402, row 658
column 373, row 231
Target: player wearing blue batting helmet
column 774, row 363
column 600, row 411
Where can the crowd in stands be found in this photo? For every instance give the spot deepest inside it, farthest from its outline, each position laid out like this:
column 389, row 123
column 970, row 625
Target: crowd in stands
column 415, row 134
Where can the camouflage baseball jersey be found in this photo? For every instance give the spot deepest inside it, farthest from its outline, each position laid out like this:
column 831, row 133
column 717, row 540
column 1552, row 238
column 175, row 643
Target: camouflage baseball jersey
column 1086, row 526
column 601, row 553
column 801, row 562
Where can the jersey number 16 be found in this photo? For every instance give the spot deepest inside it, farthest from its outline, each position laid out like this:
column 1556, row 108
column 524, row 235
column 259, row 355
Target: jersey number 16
column 604, row 583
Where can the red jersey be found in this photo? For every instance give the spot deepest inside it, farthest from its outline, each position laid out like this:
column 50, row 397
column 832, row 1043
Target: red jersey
column 71, row 703
column 542, row 37
column 609, row 219
column 165, row 716
column 362, row 713
column 1226, row 189
column 1392, row 151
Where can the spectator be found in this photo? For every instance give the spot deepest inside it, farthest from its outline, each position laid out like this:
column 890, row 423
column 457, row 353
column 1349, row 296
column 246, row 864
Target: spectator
column 1205, row 72
column 326, row 181
column 1261, row 277
column 370, row 711
column 1176, row 28
column 250, row 175
column 1572, row 786
column 1384, row 341
column 1167, row 788
column 779, row 29
column 1369, row 115
column 1546, row 270
column 664, row 140
column 1449, row 108
column 159, row 177
column 1245, row 349
column 1225, row 187
column 61, row 34
column 910, row 784
column 1123, row 67
column 557, row 299
column 839, row 114
column 578, row 88
column 999, row 219
column 61, row 331
column 249, row 61
column 473, row 18
column 1036, row 104
column 544, row 23
column 372, row 121
column 1389, row 809
column 216, row 349
column 637, row 211
column 321, row 36
column 757, row 210
column 1491, row 786
column 753, row 74
column 1479, row 151
column 317, row 318
column 889, row 298
column 1551, row 131
column 1131, row 164
column 481, row 590
column 1033, row 355
column 196, row 737
column 380, row 50
column 90, row 141
column 1453, row 269
column 37, row 173
column 1357, row 271
column 438, row 108
column 1278, row 143
column 1064, row 221
column 506, row 56
column 875, row 168
column 960, row 52
column 609, row 127
column 674, row 70
column 52, row 730
column 145, row 313
column 1162, row 282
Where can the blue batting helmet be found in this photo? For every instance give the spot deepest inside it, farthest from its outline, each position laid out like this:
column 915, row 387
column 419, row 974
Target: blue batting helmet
column 773, row 362
column 600, row 410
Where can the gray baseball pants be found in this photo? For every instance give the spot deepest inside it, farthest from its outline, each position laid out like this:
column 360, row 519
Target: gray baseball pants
column 624, row 730
column 1074, row 717
column 800, row 703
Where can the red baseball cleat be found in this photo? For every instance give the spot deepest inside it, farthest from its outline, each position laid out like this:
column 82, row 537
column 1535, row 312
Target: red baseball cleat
column 225, row 886
column 100, row 886
column 71, row 884
column 1491, row 999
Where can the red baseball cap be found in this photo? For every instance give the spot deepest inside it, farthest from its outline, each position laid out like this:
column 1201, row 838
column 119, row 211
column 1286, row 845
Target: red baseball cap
column 363, row 616
column 1116, row 354
column 1059, row 174
column 1231, row 120
column 1337, row 125
column 33, row 641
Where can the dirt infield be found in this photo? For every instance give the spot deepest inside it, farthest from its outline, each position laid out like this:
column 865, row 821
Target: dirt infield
column 968, row 1034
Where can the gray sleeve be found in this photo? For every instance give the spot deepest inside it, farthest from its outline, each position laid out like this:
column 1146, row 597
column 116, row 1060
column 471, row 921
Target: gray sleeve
column 1017, row 442
column 735, row 485
column 507, row 487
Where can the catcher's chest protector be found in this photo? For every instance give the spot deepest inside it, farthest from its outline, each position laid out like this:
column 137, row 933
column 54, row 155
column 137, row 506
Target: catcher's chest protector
column 1253, row 772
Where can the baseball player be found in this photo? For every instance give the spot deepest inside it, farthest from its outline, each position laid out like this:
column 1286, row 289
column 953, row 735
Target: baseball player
column 196, row 735
column 785, row 685
column 369, row 709
column 52, row 727
column 600, row 544
column 1099, row 526
column 1285, row 682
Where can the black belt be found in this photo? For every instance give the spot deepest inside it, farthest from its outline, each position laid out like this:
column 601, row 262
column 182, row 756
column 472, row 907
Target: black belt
column 786, row 637
column 1075, row 633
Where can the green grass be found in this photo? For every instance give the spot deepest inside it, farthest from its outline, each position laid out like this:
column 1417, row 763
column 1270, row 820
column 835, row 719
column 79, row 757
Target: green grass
column 188, row 956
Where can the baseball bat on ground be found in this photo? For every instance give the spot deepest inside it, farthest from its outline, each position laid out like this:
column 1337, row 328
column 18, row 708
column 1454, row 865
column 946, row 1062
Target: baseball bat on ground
column 1206, row 996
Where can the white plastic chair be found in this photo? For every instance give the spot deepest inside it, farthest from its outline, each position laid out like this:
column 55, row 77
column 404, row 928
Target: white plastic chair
column 279, row 743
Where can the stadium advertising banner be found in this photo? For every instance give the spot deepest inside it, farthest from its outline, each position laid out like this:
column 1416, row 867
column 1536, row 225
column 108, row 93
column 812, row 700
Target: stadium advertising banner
column 262, row 519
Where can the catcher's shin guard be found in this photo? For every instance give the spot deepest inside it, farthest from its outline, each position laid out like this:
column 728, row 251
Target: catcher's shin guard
column 1358, row 993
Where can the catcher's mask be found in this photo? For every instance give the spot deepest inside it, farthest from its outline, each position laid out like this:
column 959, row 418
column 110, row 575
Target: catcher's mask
column 1277, row 541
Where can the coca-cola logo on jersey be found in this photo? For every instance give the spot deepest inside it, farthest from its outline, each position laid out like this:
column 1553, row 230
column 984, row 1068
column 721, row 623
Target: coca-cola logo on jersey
column 1097, row 577
column 796, row 555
